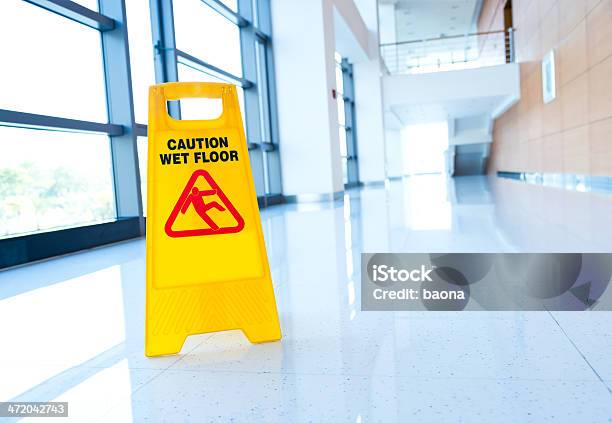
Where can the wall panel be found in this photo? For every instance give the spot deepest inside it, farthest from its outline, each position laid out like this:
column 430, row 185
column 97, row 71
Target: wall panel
column 573, row 133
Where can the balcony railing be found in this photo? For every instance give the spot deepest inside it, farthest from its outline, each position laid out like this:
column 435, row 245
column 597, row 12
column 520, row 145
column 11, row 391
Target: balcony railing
column 455, row 52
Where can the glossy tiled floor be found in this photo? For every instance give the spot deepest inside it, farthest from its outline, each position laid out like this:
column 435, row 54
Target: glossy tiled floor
column 72, row 328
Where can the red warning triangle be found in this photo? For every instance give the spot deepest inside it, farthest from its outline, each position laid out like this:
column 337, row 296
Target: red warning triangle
column 203, row 201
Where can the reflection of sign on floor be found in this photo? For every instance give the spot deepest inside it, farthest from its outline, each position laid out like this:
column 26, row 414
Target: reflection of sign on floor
column 207, row 209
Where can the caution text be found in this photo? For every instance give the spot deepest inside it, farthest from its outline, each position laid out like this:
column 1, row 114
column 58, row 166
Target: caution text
column 198, row 150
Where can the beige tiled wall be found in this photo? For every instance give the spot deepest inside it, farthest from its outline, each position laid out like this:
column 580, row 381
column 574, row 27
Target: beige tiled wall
column 573, row 133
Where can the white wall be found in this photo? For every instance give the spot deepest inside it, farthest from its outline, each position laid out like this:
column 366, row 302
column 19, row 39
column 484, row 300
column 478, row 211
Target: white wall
column 303, row 39
column 352, row 34
column 501, row 82
column 386, row 18
column 305, row 36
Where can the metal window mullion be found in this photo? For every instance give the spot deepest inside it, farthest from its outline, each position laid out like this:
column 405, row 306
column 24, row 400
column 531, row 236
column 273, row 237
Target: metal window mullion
column 77, row 13
column 261, row 36
column 121, row 111
column 270, row 104
column 141, row 130
column 227, row 13
column 52, row 123
column 260, row 21
column 263, row 23
column 164, row 41
column 251, row 118
column 273, row 165
column 262, row 91
column 202, row 66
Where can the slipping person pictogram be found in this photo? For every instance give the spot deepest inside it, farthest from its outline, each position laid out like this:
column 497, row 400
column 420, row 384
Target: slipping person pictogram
column 203, row 201
column 200, row 206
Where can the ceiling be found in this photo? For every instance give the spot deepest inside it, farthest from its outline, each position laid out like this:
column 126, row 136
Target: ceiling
column 421, row 19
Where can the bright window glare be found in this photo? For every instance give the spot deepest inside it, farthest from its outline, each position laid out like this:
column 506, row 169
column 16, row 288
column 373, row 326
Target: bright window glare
column 423, row 147
column 90, row 4
column 341, row 110
column 339, row 79
column 342, row 138
column 232, row 4
column 143, row 156
column 201, row 108
column 113, row 384
column 193, row 109
column 207, row 35
column 52, row 179
column 55, row 64
column 429, row 208
column 74, row 321
column 141, row 55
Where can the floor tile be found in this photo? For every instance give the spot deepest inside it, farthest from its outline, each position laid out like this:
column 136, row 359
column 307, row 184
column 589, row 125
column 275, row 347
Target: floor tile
column 76, row 323
column 235, row 396
column 590, row 332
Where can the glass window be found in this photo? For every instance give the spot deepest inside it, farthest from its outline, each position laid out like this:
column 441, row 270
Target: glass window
column 342, row 137
column 141, row 56
column 90, row 4
column 143, row 156
column 190, row 110
column 55, row 64
column 346, row 136
column 52, row 179
column 207, row 35
column 232, row 4
column 339, row 80
column 341, row 110
column 262, row 92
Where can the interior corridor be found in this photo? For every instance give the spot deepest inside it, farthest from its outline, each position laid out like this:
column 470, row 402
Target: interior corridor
column 77, row 321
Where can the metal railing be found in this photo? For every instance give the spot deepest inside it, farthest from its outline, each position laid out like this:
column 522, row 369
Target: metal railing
column 455, row 52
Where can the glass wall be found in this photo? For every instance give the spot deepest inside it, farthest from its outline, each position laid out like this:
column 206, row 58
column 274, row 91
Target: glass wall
column 44, row 75
column 74, row 103
column 141, row 55
column 51, row 179
column 345, row 100
column 203, row 32
column 225, row 42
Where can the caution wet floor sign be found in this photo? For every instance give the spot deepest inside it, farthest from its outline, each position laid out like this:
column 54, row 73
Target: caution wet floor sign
column 207, row 268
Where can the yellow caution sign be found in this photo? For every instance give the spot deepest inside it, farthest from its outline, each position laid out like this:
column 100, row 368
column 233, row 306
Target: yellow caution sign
column 207, row 268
